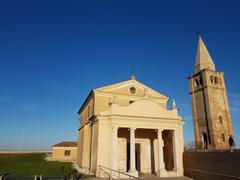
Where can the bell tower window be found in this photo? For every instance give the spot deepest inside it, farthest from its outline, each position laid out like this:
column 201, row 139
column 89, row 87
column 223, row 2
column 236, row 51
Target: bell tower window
column 196, row 83
column 216, row 80
column 212, row 79
column 200, row 80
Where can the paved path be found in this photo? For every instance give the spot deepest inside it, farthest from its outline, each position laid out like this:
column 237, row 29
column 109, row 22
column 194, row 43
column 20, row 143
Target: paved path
column 151, row 177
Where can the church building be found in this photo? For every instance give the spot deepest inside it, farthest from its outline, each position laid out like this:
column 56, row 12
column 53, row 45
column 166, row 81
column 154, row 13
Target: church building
column 128, row 127
column 211, row 116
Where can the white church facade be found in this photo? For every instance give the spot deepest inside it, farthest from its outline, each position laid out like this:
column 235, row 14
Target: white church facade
column 127, row 127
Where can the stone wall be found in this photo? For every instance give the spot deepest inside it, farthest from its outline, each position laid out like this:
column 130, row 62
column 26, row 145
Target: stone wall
column 212, row 165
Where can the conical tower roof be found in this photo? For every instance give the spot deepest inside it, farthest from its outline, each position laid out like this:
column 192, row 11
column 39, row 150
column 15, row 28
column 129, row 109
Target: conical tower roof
column 203, row 58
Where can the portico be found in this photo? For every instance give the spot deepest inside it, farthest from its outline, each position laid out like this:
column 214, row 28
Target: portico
column 143, row 144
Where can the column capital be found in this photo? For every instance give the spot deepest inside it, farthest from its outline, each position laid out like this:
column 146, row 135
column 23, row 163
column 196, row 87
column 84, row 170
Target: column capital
column 115, row 128
column 160, row 129
column 132, row 129
column 176, row 130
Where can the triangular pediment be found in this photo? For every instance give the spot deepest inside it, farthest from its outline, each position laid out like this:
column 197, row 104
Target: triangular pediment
column 123, row 88
column 142, row 108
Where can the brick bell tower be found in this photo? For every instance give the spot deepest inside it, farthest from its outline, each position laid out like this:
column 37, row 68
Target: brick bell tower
column 210, row 109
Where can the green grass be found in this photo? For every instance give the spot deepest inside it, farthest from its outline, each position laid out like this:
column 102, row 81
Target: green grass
column 32, row 164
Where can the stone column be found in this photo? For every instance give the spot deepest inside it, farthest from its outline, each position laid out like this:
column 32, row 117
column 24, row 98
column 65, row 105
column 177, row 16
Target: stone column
column 161, row 172
column 132, row 170
column 177, row 152
column 114, row 150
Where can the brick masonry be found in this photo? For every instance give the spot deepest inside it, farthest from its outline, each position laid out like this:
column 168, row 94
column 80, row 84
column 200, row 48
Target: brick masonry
column 215, row 162
column 210, row 109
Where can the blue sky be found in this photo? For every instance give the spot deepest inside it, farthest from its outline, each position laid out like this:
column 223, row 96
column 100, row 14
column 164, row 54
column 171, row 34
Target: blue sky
column 52, row 53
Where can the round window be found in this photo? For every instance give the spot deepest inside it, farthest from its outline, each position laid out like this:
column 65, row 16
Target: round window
column 132, row 90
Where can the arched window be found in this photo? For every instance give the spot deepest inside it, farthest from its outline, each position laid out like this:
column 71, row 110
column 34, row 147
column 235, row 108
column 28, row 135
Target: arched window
column 200, row 80
column 216, row 80
column 223, row 138
column 212, row 79
column 196, row 83
column 220, row 119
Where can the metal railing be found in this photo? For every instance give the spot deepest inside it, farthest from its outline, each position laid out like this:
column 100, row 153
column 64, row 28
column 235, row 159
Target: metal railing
column 189, row 146
column 114, row 174
column 214, row 150
column 205, row 175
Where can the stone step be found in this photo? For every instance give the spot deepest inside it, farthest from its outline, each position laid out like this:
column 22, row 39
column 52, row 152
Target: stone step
column 150, row 177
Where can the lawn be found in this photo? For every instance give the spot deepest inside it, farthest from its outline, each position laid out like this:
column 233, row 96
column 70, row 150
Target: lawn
column 32, row 164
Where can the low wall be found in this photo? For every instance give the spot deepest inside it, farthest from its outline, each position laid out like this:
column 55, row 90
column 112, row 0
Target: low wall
column 24, row 152
column 212, row 165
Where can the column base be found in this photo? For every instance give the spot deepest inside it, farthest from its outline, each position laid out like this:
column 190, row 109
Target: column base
column 161, row 173
column 115, row 175
column 178, row 171
column 133, row 172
